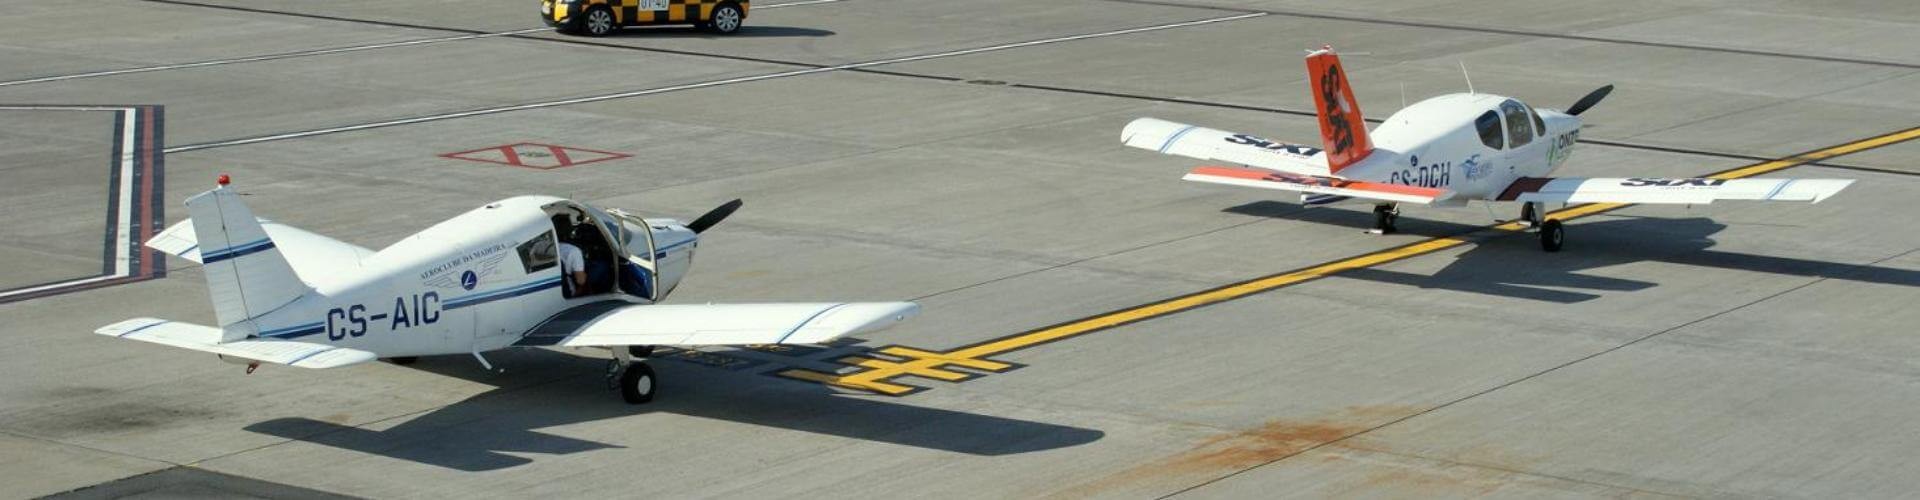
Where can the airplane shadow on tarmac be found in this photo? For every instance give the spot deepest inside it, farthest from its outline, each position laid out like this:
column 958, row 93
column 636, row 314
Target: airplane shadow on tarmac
column 748, row 31
column 544, row 389
column 1514, row 266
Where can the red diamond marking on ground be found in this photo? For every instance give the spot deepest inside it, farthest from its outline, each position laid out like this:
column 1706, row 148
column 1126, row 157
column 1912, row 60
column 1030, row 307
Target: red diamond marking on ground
column 536, row 155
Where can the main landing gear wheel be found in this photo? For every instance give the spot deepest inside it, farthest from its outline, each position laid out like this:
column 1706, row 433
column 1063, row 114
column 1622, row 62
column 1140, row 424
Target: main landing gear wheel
column 1552, row 235
column 640, row 351
column 599, row 22
column 637, row 383
column 1384, row 217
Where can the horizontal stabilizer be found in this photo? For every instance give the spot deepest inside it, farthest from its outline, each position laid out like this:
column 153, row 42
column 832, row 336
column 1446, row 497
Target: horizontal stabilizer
column 312, row 256
column 207, row 339
column 1191, row 141
column 1328, row 186
column 1669, row 191
column 731, row 324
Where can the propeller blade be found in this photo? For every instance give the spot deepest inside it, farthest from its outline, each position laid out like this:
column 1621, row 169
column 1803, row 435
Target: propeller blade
column 714, row 216
column 1591, row 99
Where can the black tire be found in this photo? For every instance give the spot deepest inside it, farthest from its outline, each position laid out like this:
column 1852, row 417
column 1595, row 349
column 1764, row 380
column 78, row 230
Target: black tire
column 1383, row 219
column 1552, row 235
column 640, row 351
column 637, row 383
column 403, row 360
column 727, row 19
column 598, row 21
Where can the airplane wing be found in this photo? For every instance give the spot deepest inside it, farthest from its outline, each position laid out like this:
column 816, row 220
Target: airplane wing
column 1673, row 191
column 310, row 254
column 1323, row 186
column 1191, row 141
column 716, row 324
column 207, row 339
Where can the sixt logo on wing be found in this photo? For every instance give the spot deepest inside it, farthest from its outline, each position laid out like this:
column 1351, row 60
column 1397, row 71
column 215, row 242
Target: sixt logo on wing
column 1648, row 181
column 1428, row 176
column 1278, row 147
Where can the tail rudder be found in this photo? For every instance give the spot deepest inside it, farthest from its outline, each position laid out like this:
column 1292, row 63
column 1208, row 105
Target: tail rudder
column 1341, row 126
column 246, row 276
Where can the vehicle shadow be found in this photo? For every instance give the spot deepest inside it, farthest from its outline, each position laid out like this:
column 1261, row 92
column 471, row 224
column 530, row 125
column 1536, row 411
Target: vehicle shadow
column 1512, row 264
column 547, row 389
column 748, row 31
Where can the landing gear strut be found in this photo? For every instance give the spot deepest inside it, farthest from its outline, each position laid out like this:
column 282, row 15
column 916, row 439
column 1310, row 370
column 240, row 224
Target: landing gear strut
column 1384, row 215
column 1530, row 214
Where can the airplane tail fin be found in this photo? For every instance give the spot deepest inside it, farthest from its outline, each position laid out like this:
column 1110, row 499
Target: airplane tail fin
column 246, row 275
column 1341, row 126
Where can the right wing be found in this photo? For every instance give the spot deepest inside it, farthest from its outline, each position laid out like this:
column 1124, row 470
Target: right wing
column 207, row 339
column 1324, row 186
column 1217, row 145
column 719, row 324
column 1674, row 191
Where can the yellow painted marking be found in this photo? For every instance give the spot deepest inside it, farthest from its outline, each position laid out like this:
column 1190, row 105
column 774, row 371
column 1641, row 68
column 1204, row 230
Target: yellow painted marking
column 977, row 364
column 920, row 368
column 859, row 381
column 873, row 374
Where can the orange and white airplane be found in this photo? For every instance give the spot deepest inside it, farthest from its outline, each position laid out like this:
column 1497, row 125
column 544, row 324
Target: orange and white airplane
column 1443, row 151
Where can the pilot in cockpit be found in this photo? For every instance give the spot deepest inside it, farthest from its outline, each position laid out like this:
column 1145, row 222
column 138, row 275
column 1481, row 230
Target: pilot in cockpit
column 573, row 264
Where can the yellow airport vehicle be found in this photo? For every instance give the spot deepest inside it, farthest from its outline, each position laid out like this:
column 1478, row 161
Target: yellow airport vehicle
column 603, row 17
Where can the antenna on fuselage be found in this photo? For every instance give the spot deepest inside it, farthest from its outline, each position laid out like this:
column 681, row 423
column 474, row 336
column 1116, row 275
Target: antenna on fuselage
column 1463, row 73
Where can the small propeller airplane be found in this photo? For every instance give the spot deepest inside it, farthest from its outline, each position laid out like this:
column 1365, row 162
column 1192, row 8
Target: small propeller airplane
column 485, row 280
column 1443, row 151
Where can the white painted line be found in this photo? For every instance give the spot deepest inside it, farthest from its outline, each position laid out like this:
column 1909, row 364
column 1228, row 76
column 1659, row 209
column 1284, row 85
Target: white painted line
column 699, row 85
column 264, row 57
column 53, row 286
column 792, row 4
column 123, row 258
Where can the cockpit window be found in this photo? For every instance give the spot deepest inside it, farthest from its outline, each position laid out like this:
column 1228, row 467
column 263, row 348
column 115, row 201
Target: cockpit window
column 1519, row 127
column 1489, row 125
column 539, row 253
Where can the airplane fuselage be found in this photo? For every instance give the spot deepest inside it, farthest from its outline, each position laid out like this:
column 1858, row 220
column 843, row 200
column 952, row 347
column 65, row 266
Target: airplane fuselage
column 473, row 283
column 1439, row 143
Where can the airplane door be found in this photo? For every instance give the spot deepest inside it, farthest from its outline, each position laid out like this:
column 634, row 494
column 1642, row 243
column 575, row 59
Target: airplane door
column 639, row 278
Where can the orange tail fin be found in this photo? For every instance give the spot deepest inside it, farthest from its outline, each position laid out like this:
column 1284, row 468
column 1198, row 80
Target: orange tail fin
column 1341, row 127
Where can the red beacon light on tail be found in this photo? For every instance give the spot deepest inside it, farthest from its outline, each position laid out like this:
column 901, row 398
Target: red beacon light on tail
column 223, row 180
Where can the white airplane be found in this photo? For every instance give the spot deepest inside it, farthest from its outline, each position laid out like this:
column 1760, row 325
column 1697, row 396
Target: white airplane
column 487, row 279
column 1443, row 151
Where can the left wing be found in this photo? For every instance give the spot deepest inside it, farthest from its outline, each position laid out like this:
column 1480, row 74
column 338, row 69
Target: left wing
column 207, row 339
column 1674, row 191
column 1327, row 186
column 722, row 324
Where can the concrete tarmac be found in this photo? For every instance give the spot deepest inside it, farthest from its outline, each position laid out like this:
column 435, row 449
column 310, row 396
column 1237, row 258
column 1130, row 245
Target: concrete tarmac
column 966, row 155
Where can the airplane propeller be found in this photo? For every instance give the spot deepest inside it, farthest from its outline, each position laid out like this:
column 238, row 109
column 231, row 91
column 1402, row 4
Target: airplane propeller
column 714, row 216
column 1591, row 99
